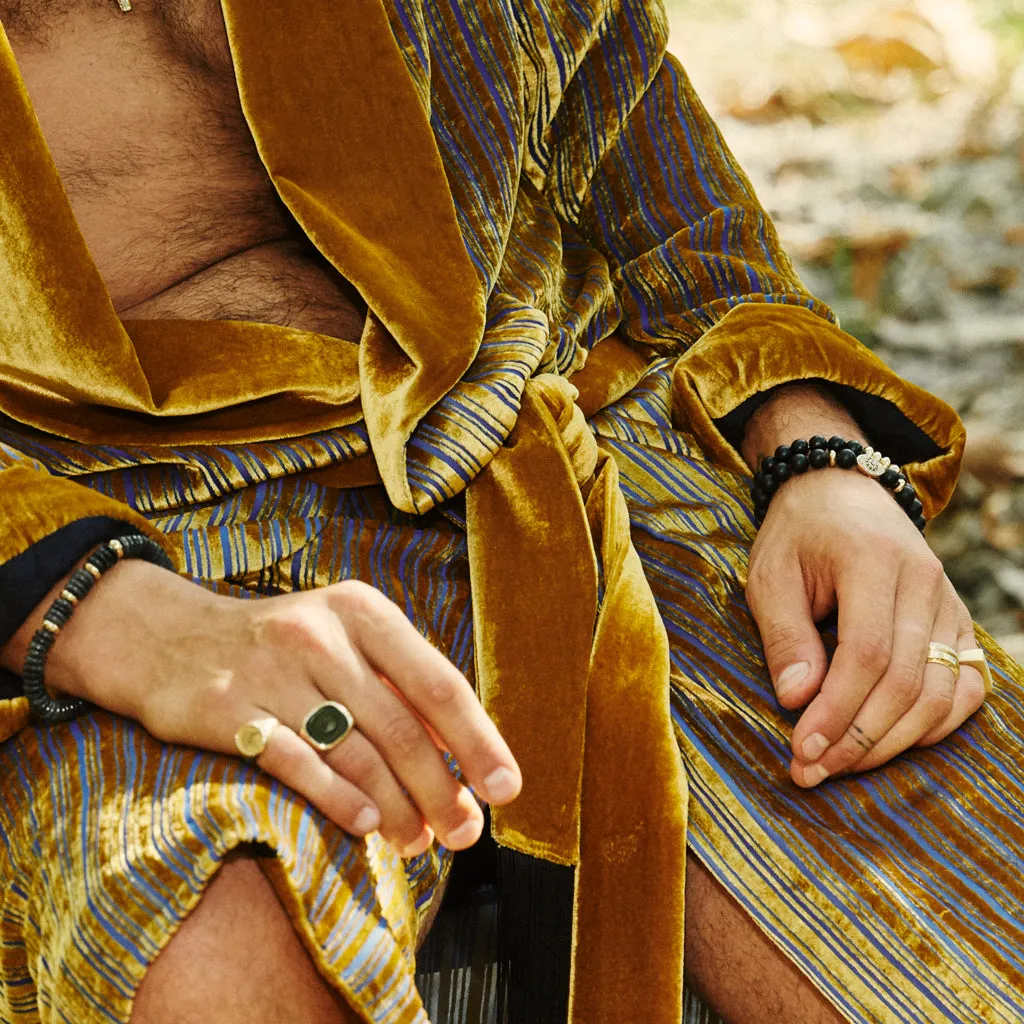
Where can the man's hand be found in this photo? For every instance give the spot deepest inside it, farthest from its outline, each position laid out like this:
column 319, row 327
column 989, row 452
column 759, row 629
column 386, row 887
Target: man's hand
column 835, row 539
column 192, row 667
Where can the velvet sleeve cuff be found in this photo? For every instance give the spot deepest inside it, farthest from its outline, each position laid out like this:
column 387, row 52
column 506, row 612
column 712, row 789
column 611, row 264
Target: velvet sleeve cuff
column 46, row 524
column 721, row 378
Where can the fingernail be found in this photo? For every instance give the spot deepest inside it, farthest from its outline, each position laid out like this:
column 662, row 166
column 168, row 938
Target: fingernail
column 418, row 846
column 814, row 746
column 465, row 835
column 815, row 775
column 791, row 677
column 366, row 821
column 500, row 786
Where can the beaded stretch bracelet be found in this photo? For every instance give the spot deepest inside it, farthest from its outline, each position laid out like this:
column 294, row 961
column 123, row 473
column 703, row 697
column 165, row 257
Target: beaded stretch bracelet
column 818, row 453
column 61, row 709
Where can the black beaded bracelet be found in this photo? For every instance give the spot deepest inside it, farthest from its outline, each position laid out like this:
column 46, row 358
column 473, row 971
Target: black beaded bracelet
column 44, row 707
column 797, row 458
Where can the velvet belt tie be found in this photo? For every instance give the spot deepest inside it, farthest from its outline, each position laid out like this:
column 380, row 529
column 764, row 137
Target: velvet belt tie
column 572, row 663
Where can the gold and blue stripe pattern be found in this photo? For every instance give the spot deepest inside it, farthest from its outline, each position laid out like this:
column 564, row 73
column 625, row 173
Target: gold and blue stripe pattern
column 593, row 194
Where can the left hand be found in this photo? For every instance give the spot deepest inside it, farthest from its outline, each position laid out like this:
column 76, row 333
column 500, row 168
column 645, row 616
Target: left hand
column 835, row 539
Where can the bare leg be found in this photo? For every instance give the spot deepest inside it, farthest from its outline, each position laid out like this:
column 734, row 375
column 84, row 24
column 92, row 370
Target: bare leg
column 237, row 960
column 736, row 969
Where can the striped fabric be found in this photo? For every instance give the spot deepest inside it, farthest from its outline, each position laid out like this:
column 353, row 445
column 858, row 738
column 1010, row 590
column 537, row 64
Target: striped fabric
column 593, row 193
column 896, row 892
column 653, row 230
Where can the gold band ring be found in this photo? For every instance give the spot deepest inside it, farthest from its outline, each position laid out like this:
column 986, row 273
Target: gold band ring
column 327, row 725
column 251, row 738
column 943, row 654
column 975, row 657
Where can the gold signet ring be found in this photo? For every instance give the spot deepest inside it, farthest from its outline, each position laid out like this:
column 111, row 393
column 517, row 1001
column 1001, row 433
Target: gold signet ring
column 327, row 725
column 943, row 654
column 251, row 738
column 975, row 657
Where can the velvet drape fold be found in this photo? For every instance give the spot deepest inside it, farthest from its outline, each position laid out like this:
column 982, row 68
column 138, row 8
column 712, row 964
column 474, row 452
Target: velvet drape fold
column 461, row 376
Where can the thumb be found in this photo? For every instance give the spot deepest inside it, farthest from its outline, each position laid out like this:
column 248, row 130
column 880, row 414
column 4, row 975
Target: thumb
column 793, row 647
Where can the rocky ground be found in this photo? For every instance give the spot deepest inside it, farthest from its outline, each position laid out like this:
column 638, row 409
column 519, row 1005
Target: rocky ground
column 887, row 139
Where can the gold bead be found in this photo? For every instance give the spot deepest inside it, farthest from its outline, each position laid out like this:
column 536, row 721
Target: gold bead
column 69, row 597
column 92, row 570
column 125, row 5
column 51, row 627
column 117, row 547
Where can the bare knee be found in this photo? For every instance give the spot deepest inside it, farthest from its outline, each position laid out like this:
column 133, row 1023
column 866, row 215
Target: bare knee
column 736, row 968
column 236, row 958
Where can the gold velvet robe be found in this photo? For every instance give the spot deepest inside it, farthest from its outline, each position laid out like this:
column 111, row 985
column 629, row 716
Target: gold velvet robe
column 535, row 206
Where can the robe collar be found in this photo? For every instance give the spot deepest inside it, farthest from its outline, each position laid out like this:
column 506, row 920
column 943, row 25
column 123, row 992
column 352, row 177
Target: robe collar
column 346, row 139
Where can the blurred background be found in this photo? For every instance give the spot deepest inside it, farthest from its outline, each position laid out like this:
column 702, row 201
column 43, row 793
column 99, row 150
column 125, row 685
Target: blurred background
column 886, row 138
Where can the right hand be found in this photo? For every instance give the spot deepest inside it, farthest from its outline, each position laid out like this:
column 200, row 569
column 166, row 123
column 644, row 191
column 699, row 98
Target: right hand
column 192, row 666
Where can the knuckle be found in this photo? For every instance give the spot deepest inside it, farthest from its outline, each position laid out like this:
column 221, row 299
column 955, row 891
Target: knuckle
column 904, row 683
column 402, row 735
column 931, row 572
column 871, row 652
column 359, row 763
column 288, row 762
column 938, row 704
column 780, row 641
column 443, row 689
column 293, row 629
column 353, row 597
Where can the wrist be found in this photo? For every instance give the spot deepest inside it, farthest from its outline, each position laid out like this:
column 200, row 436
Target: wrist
column 796, row 410
column 109, row 650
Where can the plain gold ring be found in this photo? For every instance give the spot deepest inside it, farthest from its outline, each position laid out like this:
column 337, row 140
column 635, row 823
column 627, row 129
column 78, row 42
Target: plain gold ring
column 943, row 654
column 251, row 738
column 975, row 657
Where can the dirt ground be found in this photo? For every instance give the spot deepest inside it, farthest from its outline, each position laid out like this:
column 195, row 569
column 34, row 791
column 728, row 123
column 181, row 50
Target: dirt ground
column 886, row 137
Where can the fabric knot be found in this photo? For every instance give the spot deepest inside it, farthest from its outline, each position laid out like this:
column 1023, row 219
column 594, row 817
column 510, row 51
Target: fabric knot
column 559, row 396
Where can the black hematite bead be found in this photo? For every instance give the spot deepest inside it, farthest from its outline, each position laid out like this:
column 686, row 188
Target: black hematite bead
column 799, row 463
column 818, row 441
column 818, row 458
column 767, row 464
column 914, row 509
column 782, row 472
column 920, row 522
column 799, row 448
column 845, row 459
column 782, row 453
column 770, row 485
column 906, row 496
column 890, row 478
column 757, row 495
column 855, row 446
column 836, row 442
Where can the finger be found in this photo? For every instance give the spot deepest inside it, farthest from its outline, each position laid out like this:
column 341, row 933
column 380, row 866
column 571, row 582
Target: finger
column 433, row 686
column 401, row 824
column 359, row 765
column 404, row 751
column 910, row 693
column 866, row 602
column 969, row 694
column 793, row 649
column 295, row 764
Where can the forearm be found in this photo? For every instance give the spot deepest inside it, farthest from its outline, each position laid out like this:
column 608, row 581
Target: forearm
column 792, row 411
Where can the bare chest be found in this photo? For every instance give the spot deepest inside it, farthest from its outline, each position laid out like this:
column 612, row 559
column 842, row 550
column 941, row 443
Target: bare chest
column 142, row 116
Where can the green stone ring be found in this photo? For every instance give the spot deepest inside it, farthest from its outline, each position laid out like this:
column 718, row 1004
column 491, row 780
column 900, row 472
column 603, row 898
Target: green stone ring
column 327, row 725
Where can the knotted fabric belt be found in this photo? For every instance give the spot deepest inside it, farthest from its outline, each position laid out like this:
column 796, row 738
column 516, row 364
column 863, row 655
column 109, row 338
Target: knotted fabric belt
column 573, row 665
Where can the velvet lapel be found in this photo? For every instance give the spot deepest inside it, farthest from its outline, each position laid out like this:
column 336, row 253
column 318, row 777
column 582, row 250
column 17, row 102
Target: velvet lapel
column 347, row 141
